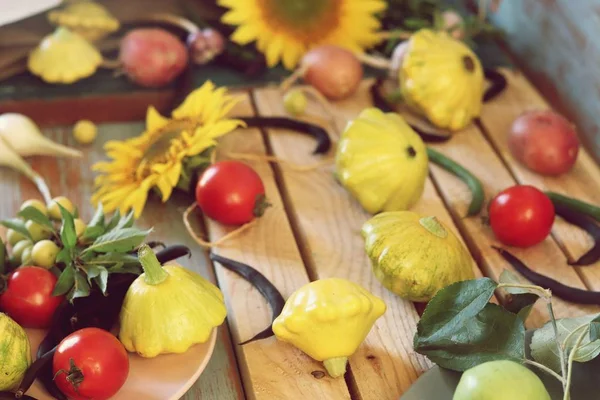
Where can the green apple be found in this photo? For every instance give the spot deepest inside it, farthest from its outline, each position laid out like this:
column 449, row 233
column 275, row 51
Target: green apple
column 38, row 232
column 79, row 227
column 500, row 380
column 20, row 247
column 54, row 210
column 44, row 253
column 14, row 237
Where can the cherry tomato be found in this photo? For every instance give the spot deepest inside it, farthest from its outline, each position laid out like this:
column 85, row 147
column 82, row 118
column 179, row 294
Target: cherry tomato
column 231, row 192
column 521, row 216
column 28, row 297
column 90, row 364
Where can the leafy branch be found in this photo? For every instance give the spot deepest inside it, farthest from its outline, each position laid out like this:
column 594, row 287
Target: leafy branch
column 460, row 329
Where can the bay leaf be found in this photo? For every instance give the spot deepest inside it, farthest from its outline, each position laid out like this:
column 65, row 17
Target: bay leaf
column 126, row 221
column 99, row 274
column 518, row 301
column 451, row 307
column 81, row 287
column 492, row 334
column 545, row 351
column 114, row 221
column 595, row 329
column 64, row 256
column 67, row 229
column 118, row 240
column 17, row 225
column 96, row 226
column 65, row 281
column 35, row 215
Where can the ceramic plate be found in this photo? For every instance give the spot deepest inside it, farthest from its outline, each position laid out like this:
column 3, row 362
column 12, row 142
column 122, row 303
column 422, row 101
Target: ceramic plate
column 166, row 377
column 440, row 384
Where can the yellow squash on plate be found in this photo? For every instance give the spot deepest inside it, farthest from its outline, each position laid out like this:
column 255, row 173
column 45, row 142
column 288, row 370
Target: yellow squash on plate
column 168, row 309
column 328, row 319
column 442, row 78
column 414, row 256
column 381, row 161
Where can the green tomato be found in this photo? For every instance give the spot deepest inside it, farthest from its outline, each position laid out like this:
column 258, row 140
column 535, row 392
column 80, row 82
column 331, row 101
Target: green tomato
column 295, row 102
column 26, row 256
column 38, row 232
column 500, row 380
column 35, row 203
column 14, row 237
column 17, row 250
column 54, row 210
column 79, row 227
column 44, row 253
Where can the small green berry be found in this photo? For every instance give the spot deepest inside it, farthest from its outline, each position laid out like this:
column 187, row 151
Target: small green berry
column 295, row 102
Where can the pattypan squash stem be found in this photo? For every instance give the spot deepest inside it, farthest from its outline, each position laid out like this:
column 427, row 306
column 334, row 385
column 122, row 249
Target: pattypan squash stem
column 336, row 366
column 433, row 225
column 154, row 274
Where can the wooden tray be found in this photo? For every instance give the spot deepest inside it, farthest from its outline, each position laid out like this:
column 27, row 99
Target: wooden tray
column 312, row 232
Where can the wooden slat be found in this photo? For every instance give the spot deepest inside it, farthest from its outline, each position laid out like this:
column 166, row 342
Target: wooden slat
column 270, row 368
column 74, row 179
column 329, row 222
column 582, row 182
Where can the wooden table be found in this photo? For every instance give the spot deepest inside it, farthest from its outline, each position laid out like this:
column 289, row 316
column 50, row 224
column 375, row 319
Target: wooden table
column 312, row 232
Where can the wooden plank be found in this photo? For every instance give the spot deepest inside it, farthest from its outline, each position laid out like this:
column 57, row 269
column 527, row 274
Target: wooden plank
column 74, row 179
column 271, row 369
column 328, row 221
column 582, row 182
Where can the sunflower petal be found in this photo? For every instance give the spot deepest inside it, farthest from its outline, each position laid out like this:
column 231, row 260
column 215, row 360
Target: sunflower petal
column 195, row 102
column 154, row 120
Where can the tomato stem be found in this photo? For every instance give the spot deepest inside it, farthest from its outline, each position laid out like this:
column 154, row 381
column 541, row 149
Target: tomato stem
column 260, row 205
column 74, row 375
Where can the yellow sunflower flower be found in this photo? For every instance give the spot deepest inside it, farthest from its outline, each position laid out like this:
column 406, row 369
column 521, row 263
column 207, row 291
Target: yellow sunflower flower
column 154, row 159
column 286, row 29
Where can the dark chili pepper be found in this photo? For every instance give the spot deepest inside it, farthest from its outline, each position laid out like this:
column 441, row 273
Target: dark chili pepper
column 586, row 223
column 471, row 180
column 171, row 253
column 380, row 102
column 318, row 133
column 260, row 282
column 498, row 81
column 575, row 204
column 572, row 294
column 32, row 373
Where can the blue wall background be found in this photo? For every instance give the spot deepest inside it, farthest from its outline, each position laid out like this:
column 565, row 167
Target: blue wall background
column 557, row 43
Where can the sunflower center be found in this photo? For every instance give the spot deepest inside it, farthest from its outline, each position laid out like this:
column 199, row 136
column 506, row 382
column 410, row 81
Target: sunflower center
column 308, row 19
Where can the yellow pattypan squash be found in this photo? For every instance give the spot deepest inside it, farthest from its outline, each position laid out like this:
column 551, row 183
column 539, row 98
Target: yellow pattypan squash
column 168, row 309
column 328, row 319
column 381, row 161
column 442, row 79
column 88, row 18
column 414, row 256
column 64, row 57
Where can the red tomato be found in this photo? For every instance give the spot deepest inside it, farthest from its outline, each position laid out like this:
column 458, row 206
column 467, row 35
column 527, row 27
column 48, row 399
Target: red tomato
column 28, row 297
column 231, row 192
column 90, row 364
column 521, row 216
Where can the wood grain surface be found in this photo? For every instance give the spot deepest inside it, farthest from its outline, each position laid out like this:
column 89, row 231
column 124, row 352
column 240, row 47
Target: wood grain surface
column 312, row 231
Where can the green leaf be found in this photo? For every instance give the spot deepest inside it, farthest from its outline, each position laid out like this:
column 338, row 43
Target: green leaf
column 114, row 258
column 81, row 288
column 17, row 225
column 543, row 344
column 119, row 240
column 99, row 274
column 96, row 226
column 3, row 258
column 447, row 311
column 126, row 221
column 461, row 329
column 67, row 230
column 35, row 215
column 114, row 221
column 65, row 282
column 518, row 301
column 595, row 329
column 64, row 256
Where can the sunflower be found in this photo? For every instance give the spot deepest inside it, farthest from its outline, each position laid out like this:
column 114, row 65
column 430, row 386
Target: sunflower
column 286, row 29
column 154, row 159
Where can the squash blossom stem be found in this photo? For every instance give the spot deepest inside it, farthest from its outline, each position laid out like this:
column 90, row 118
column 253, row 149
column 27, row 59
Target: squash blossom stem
column 154, row 274
column 336, row 366
column 433, row 225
